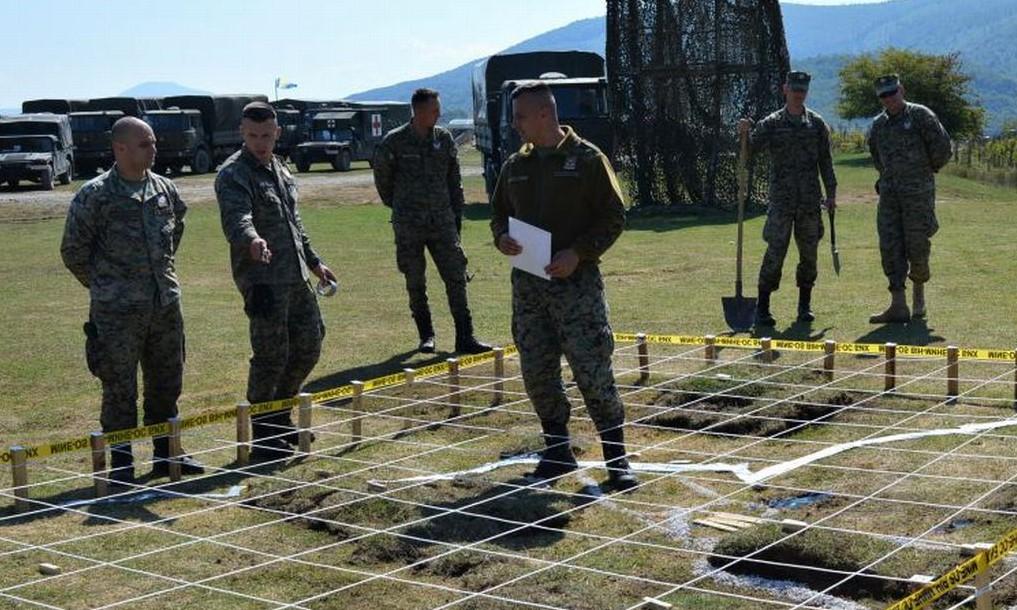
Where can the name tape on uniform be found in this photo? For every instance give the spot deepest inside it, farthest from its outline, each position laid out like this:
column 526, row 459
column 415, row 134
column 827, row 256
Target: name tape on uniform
column 964, row 572
column 206, row 419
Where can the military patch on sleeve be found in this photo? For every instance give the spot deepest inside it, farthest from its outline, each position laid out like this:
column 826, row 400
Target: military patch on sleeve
column 570, row 164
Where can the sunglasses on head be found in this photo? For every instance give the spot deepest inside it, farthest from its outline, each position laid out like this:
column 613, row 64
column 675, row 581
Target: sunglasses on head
column 888, row 94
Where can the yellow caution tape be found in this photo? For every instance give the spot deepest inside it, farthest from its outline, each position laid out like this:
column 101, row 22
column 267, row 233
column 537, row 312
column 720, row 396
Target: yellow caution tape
column 959, row 575
column 205, row 419
column 346, row 391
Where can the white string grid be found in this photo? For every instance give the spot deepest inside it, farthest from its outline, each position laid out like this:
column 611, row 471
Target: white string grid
column 906, row 496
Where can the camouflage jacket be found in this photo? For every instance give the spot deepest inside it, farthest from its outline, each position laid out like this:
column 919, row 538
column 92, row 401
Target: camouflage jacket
column 257, row 200
column 571, row 192
column 419, row 178
column 799, row 156
column 120, row 244
column 907, row 149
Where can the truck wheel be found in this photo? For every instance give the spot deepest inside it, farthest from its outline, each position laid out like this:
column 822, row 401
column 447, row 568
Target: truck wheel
column 66, row 177
column 201, row 163
column 344, row 161
column 302, row 166
column 46, row 179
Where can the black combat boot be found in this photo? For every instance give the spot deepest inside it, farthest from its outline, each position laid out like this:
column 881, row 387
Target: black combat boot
column 620, row 475
column 121, row 473
column 763, row 316
column 805, row 304
column 466, row 343
column 160, row 453
column 425, row 329
column 267, row 438
column 557, row 459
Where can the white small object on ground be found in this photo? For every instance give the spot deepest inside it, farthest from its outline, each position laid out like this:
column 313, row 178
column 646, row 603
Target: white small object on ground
column 49, row 569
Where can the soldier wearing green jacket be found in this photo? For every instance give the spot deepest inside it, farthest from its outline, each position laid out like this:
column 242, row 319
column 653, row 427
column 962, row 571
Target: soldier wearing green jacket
column 416, row 172
column 908, row 145
column 564, row 185
column 120, row 241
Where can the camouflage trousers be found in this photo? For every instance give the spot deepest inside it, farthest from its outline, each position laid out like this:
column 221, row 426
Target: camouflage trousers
column 556, row 317
column 442, row 241
column 285, row 340
column 117, row 341
column 905, row 223
column 783, row 219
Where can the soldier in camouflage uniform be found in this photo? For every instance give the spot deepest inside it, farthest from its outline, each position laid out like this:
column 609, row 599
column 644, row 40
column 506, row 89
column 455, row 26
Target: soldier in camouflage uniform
column 272, row 259
column 416, row 172
column 798, row 140
column 908, row 146
column 122, row 232
column 565, row 185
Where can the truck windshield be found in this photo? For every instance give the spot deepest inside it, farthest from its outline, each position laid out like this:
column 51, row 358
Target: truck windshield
column 580, row 102
column 90, row 123
column 29, row 128
column 14, row 145
column 168, row 122
column 332, row 135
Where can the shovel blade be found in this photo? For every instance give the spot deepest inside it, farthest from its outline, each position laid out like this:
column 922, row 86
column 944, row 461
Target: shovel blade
column 739, row 312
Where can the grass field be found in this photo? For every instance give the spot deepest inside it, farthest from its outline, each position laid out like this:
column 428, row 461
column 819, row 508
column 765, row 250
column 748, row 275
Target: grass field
column 666, row 275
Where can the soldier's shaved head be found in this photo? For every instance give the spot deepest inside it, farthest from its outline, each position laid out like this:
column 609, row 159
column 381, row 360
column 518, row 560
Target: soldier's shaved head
column 133, row 147
column 537, row 93
column 127, row 126
column 535, row 114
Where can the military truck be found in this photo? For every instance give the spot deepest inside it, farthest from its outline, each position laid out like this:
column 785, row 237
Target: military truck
column 578, row 81
column 93, row 144
column 36, row 147
column 342, row 135
column 199, row 131
column 56, row 106
column 291, row 131
column 129, row 106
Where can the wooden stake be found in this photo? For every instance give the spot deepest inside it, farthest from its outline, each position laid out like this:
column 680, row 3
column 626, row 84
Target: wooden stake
column 175, row 450
column 97, row 440
column 19, row 469
column 357, row 429
column 830, row 353
column 410, row 375
column 304, row 422
column 1015, row 380
column 499, row 374
column 983, row 579
column 766, row 345
column 711, row 348
column 644, row 358
column 243, row 433
column 454, row 397
column 890, row 367
column 952, row 372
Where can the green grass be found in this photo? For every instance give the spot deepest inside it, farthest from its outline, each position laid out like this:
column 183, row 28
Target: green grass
column 666, row 274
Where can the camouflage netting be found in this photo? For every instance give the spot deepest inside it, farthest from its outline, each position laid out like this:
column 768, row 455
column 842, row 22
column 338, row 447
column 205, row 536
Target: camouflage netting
column 681, row 73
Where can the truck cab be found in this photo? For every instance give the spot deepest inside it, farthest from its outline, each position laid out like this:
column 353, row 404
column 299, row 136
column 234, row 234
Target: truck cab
column 582, row 105
column 332, row 138
column 92, row 133
column 291, row 131
column 179, row 140
column 36, row 147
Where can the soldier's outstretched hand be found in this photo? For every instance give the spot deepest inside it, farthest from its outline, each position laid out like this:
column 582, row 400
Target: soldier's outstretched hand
column 563, row 263
column 830, row 203
column 508, row 246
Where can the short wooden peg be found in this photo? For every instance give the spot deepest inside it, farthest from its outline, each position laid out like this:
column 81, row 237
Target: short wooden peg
column 100, row 484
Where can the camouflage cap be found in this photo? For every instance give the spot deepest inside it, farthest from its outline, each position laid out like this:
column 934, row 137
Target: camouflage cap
column 798, row 81
column 258, row 111
column 887, row 84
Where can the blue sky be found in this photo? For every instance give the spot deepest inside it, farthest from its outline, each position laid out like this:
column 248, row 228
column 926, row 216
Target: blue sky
column 81, row 49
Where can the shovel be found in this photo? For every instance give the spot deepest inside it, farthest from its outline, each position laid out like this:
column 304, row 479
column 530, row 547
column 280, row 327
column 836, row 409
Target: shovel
column 833, row 242
column 739, row 311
